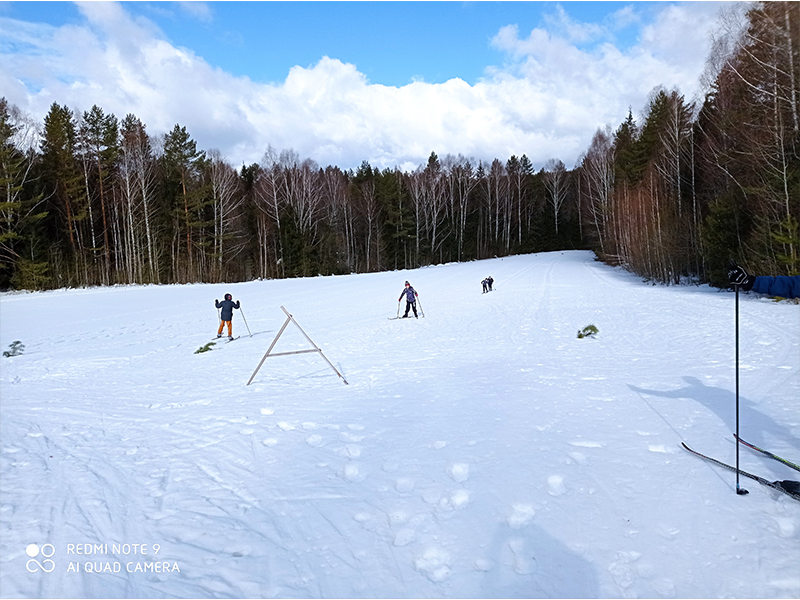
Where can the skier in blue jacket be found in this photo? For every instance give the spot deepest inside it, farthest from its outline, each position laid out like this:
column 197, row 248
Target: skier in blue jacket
column 411, row 300
column 784, row 286
column 226, row 315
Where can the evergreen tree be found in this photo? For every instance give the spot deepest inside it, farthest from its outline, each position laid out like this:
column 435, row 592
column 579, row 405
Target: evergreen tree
column 22, row 262
column 62, row 181
column 526, row 203
column 99, row 136
column 626, row 162
column 649, row 141
column 398, row 219
column 182, row 163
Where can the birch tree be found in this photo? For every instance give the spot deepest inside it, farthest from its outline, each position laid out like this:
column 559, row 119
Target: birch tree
column 226, row 193
column 555, row 180
column 598, row 169
column 99, row 147
column 139, row 173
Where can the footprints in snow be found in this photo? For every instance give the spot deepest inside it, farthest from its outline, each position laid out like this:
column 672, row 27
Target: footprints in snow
column 346, row 442
column 459, row 472
column 521, row 515
column 555, row 485
column 412, row 496
column 404, row 485
column 434, row 563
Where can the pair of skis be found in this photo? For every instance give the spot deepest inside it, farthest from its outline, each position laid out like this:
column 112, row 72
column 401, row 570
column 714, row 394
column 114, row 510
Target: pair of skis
column 787, row 486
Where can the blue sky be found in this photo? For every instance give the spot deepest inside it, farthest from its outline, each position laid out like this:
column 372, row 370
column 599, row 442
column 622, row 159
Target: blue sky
column 393, row 43
column 342, row 82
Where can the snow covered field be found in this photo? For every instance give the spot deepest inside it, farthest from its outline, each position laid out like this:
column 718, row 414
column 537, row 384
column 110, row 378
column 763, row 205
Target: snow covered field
column 481, row 451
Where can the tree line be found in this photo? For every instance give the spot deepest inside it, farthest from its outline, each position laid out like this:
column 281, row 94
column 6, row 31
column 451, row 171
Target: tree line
column 88, row 199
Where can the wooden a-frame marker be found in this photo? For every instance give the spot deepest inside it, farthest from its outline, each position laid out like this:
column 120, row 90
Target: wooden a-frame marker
column 290, row 319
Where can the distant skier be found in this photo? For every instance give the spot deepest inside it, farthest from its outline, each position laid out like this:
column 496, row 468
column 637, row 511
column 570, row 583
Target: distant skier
column 411, row 300
column 226, row 316
column 490, row 281
column 485, row 284
column 784, row 286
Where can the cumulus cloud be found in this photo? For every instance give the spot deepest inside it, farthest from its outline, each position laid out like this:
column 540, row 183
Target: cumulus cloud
column 555, row 88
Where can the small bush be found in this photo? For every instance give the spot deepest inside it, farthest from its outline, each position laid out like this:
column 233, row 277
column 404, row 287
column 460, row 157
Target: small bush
column 16, row 348
column 206, row 348
column 588, row 331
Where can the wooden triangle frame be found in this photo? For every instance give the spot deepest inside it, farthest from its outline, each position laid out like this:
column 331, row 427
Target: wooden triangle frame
column 290, row 319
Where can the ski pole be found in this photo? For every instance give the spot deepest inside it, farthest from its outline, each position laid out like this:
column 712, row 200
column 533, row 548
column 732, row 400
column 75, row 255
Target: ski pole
column 739, row 490
column 245, row 320
column 422, row 312
column 398, row 308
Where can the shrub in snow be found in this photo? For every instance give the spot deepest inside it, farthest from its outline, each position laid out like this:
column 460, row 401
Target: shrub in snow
column 16, row 349
column 205, row 348
column 587, row 331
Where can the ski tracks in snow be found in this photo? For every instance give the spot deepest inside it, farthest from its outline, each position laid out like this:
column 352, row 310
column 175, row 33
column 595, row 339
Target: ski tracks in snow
column 408, row 514
column 481, row 451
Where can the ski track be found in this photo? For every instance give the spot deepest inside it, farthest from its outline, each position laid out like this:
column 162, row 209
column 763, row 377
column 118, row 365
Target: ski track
column 480, row 451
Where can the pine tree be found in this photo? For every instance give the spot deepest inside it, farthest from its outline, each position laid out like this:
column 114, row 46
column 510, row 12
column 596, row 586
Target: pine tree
column 62, row 180
column 99, row 136
column 398, row 219
column 181, row 168
column 21, row 212
column 626, row 162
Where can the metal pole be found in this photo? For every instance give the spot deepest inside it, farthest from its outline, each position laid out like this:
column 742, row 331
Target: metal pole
column 422, row 312
column 245, row 320
column 739, row 490
column 289, row 319
column 271, row 346
column 313, row 344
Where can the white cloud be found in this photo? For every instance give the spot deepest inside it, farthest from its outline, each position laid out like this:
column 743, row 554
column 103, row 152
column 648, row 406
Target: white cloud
column 595, row 85
column 574, row 31
column 681, row 34
column 547, row 101
column 199, row 10
column 624, row 17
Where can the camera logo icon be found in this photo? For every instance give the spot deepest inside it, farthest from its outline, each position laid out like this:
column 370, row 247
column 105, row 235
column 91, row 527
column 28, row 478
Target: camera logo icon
column 46, row 552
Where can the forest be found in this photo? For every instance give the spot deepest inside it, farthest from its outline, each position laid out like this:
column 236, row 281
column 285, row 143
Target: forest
column 90, row 199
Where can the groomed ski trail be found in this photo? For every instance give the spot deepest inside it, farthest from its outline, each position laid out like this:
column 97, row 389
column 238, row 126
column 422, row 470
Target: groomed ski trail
column 483, row 451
